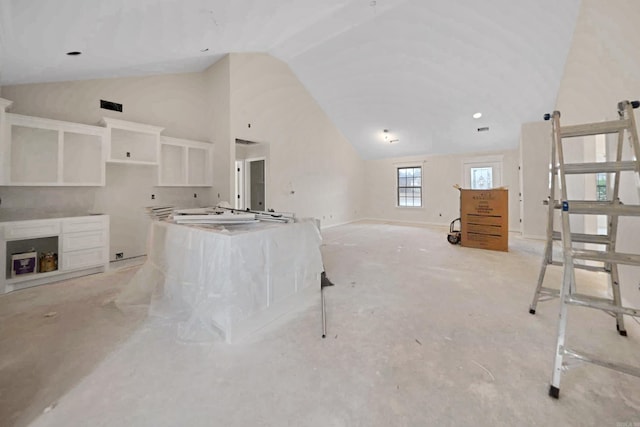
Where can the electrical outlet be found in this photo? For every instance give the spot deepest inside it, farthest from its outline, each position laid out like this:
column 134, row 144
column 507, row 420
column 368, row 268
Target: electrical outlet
column 195, row 195
column 153, row 196
column 120, row 255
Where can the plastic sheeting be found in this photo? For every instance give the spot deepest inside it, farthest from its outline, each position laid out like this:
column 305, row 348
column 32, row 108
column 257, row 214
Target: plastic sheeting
column 226, row 281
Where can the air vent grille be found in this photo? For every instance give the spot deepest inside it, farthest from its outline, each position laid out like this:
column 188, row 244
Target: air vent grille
column 245, row 142
column 108, row 105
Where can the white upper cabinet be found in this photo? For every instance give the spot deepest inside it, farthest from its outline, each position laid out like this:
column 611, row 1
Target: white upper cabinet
column 185, row 163
column 36, row 151
column 45, row 152
column 134, row 143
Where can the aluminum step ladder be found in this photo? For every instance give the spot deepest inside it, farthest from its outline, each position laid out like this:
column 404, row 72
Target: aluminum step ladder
column 608, row 258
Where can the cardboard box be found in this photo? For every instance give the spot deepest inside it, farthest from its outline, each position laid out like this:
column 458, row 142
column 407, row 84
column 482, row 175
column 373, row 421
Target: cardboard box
column 485, row 219
column 24, row 263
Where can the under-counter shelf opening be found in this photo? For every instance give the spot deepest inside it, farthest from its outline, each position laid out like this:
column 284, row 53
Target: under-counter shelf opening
column 40, row 246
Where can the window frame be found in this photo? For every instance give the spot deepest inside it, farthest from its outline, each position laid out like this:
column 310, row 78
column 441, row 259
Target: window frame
column 601, row 189
column 495, row 162
column 399, row 187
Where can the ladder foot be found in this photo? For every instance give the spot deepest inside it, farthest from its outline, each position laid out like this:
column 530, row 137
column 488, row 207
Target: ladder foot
column 554, row 392
column 622, row 332
column 532, row 311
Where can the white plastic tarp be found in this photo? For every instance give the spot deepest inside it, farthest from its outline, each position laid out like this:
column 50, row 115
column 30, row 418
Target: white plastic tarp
column 226, row 281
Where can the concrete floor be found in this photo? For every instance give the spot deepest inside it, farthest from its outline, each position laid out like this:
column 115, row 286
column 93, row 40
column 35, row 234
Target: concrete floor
column 420, row 333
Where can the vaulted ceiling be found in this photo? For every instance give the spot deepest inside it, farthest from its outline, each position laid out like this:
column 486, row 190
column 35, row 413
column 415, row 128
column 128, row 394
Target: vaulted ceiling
column 418, row 68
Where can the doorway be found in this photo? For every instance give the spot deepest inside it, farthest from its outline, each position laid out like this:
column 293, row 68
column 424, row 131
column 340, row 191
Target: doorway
column 251, row 175
column 255, row 187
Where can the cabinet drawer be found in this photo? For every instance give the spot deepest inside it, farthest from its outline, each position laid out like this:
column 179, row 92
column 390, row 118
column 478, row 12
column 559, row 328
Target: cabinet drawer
column 29, row 229
column 83, row 240
column 84, row 224
column 83, row 259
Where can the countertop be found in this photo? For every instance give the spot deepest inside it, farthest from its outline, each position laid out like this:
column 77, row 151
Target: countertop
column 7, row 215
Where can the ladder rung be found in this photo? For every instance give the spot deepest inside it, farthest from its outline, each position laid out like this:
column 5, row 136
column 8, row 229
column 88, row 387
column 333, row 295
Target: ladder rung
column 598, row 128
column 608, row 257
column 600, row 167
column 601, row 304
column 585, row 357
column 598, row 239
column 549, row 291
column 582, row 267
column 600, row 208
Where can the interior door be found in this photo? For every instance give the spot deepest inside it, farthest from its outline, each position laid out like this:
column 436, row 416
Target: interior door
column 257, row 185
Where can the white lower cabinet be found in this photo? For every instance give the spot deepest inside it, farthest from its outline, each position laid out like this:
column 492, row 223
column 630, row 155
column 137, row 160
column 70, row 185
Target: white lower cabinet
column 82, row 259
column 79, row 244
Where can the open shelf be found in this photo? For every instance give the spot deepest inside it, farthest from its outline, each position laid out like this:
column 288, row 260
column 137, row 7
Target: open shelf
column 39, row 245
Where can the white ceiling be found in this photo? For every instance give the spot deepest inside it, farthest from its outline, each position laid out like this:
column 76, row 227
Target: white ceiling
column 419, row 68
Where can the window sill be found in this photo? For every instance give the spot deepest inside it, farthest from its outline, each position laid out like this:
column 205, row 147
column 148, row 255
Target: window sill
column 409, row 207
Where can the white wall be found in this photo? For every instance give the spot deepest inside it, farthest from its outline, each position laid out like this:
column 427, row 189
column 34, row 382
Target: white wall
column 218, row 93
column 535, row 155
column 176, row 102
column 441, row 202
column 307, row 154
column 601, row 70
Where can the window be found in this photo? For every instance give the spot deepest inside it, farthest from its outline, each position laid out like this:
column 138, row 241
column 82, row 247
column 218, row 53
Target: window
column 482, row 173
column 601, row 186
column 481, row 178
column 410, row 186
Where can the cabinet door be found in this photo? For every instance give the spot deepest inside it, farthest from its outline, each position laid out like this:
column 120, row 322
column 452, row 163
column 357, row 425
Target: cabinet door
column 83, row 259
column 34, row 155
column 82, row 158
column 83, row 240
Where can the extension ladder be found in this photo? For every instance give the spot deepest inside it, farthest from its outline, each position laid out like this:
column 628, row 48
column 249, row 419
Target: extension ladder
column 608, row 258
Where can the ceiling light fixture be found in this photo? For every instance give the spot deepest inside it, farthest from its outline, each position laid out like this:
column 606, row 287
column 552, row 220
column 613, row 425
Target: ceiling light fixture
column 74, row 53
column 388, row 138
column 206, row 49
column 477, row 115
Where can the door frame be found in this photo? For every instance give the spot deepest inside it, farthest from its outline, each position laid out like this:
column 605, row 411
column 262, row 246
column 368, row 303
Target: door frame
column 240, row 189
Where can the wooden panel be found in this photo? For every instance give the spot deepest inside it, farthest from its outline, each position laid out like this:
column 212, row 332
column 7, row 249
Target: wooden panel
column 74, row 225
column 485, row 219
column 83, row 240
column 83, row 259
column 31, row 229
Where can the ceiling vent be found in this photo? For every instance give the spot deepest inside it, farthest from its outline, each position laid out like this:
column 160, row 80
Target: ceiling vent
column 245, row 142
column 108, row 105
column 483, row 129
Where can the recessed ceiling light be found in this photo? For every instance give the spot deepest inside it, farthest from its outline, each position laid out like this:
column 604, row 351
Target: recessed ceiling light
column 74, row 53
column 477, row 115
